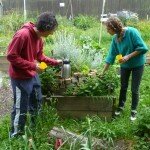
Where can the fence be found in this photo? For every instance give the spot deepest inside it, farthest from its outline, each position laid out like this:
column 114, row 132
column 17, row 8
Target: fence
column 88, row 7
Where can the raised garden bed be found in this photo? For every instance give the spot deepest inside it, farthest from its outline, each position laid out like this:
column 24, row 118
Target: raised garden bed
column 80, row 107
column 81, row 96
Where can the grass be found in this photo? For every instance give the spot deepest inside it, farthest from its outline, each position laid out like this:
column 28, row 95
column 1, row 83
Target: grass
column 120, row 128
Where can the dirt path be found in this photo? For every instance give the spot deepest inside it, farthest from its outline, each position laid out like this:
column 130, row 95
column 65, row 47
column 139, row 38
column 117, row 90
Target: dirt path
column 5, row 98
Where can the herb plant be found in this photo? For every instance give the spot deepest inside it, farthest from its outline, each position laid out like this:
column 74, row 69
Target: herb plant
column 65, row 47
column 95, row 86
column 49, row 81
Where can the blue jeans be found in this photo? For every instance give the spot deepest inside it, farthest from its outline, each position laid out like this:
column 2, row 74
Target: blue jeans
column 27, row 97
column 135, row 84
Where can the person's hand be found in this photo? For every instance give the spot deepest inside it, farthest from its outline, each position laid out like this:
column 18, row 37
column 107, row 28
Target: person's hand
column 124, row 59
column 60, row 62
column 38, row 68
column 106, row 67
column 100, row 75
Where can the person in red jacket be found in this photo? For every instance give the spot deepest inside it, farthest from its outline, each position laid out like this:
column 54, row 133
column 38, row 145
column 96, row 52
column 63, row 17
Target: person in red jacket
column 24, row 51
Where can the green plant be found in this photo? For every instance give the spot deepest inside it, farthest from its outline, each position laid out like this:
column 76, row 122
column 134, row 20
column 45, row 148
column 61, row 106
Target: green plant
column 89, row 41
column 64, row 21
column 85, row 69
column 142, row 144
column 12, row 21
column 49, row 81
column 95, row 86
column 84, row 22
column 65, row 47
column 120, row 128
column 29, row 142
column 143, row 126
column 88, row 144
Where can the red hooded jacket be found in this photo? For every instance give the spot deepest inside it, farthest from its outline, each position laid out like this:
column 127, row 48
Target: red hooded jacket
column 23, row 51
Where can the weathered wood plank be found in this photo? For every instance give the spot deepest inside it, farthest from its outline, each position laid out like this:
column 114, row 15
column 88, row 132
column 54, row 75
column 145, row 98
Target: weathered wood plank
column 71, row 137
column 79, row 107
column 83, row 114
column 84, row 103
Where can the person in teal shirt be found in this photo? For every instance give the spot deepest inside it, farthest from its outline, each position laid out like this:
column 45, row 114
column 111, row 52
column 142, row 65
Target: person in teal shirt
column 128, row 44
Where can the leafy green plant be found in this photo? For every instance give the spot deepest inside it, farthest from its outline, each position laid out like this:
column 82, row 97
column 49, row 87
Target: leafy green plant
column 12, row 21
column 95, row 86
column 120, row 128
column 142, row 143
column 87, row 40
column 29, row 142
column 65, row 47
column 49, row 81
column 85, row 69
column 84, row 22
column 88, row 144
column 64, row 21
column 143, row 126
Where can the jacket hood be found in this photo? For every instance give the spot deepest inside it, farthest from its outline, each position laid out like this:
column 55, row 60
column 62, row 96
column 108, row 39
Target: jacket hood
column 30, row 26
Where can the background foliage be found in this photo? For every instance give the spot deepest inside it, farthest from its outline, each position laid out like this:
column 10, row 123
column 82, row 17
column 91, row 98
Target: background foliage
column 137, row 133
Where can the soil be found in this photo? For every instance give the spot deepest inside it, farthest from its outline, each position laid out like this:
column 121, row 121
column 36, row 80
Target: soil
column 5, row 99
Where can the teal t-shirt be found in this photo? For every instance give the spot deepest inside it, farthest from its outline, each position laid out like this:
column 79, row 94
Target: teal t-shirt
column 132, row 41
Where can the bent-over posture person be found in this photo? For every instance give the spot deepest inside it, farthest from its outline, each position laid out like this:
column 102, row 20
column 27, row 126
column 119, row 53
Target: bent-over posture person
column 127, row 42
column 25, row 49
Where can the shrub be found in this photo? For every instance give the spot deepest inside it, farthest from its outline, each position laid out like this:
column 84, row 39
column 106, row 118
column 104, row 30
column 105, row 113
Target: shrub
column 66, row 48
column 95, row 86
column 143, row 126
column 12, row 22
column 84, row 22
column 48, row 81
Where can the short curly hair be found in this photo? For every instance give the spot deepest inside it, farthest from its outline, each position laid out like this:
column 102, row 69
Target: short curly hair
column 46, row 22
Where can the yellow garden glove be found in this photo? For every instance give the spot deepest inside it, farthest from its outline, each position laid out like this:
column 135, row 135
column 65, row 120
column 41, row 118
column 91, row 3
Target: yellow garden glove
column 43, row 65
column 119, row 57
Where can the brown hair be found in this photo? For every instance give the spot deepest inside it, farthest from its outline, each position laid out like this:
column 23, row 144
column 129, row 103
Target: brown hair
column 46, row 22
column 116, row 25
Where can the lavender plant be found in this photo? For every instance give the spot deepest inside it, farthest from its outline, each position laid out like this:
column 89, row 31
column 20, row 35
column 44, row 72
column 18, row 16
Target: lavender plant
column 66, row 47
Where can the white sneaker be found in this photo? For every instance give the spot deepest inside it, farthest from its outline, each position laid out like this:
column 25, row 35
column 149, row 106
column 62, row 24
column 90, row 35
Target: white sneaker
column 118, row 111
column 133, row 115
